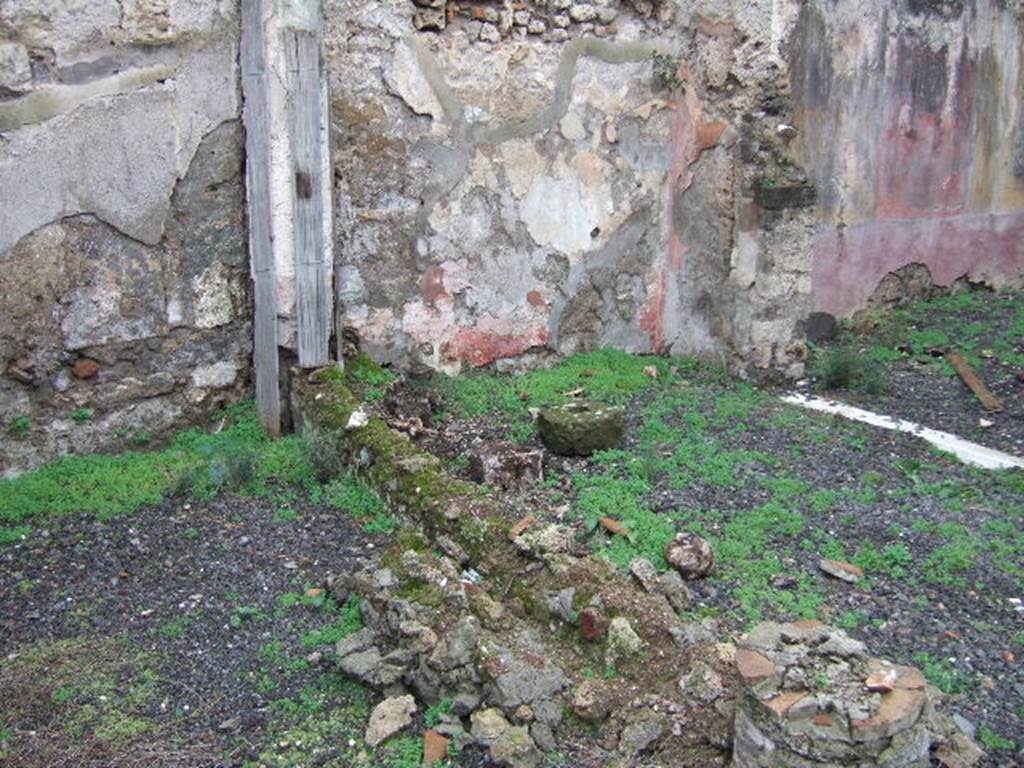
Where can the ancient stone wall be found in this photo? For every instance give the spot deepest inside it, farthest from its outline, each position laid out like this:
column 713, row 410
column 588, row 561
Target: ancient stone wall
column 557, row 176
column 513, row 181
column 911, row 125
column 123, row 276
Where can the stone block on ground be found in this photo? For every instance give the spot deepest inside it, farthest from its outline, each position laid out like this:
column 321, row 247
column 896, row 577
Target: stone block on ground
column 505, row 465
column 581, row 427
column 388, row 718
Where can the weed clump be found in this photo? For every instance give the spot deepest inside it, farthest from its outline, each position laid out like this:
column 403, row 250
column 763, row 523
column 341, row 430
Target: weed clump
column 843, row 367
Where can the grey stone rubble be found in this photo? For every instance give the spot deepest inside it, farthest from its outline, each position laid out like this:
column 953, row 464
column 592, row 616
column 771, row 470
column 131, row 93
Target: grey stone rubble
column 505, row 686
column 803, row 694
column 809, row 695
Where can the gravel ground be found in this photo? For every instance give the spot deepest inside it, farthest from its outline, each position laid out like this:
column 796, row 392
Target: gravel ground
column 193, row 592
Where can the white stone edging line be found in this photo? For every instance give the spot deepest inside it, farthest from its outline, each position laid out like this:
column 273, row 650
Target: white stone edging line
column 965, row 450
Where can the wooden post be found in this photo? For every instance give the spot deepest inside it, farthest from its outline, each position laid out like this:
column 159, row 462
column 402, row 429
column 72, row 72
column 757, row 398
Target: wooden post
column 288, row 181
column 313, row 294
column 256, row 116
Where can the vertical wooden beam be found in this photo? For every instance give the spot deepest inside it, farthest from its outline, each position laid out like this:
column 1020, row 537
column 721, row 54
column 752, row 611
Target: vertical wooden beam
column 313, row 294
column 256, row 116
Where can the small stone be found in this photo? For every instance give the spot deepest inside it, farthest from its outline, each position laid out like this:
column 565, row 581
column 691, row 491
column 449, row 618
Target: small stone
column 506, row 465
column 551, row 539
column 457, row 646
column 606, row 15
column 490, row 611
column 490, row 34
column 640, row 735
column 520, row 527
column 690, row 555
column 464, row 703
column 536, row 27
column 702, row 683
column 623, row 641
column 581, row 12
column 580, row 427
column 362, row 665
column 15, row 65
column 515, row 748
column 429, row 19
column 561, row 605
column 388, row 718
column 644, row 572
column 899, row 710
column 841, row 644
column 780, row 705
column 966, row 726
column 754, row 667
column 85, row 368
column 881, row 681
column 841, row 570
column 357, row 641
column 959, row 752
column 671, row 585
column 590, row 702
column 691, row 633
column 523, row 714
column 487, row 725
column 543, row 736
column 435, row 747
column 521, row 18
column 561, row 20
column 593, row 625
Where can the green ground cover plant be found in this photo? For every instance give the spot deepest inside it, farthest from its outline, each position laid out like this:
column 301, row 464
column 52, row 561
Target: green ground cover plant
column 239, row 457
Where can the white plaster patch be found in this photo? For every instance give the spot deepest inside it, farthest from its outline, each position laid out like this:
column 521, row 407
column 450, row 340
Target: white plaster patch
column 522, row 165
column 965, row 450
column 562, row 209
column 66, row 26
column 215, row 376
column 351, row 287
column 610, row 88
column 406, row 80
column 14, row 64
column 213, row 304
column 572, row 127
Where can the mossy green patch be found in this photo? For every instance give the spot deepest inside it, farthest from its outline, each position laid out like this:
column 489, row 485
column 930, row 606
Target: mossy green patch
column 82, row 688
column 238, row 457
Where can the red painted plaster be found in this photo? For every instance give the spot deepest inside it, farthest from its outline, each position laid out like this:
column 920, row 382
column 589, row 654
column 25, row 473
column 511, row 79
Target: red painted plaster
column 691, row 135
column 478, row 347
column 850, row 262
column 432, row 285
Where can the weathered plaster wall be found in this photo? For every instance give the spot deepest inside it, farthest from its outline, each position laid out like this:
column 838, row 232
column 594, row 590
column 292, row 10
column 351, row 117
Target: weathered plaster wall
column 512, row 181
column 558, row 176
column 911, row 119
column 123, row 275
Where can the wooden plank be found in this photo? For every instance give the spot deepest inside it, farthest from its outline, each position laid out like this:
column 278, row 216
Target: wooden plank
column 990, row 402
column 314, row 299
column 256, row 116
